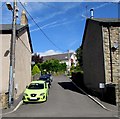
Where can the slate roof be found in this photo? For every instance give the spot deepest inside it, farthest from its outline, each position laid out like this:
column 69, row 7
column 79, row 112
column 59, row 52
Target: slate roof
column 7, row 29
column 60, row 57
column 106, row 21
column 103, row 22
column 110, row 20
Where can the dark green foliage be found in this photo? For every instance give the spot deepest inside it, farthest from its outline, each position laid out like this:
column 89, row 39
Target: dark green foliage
column 76, row 69
column 37, row 59
column 79, row 55
column 51, row 66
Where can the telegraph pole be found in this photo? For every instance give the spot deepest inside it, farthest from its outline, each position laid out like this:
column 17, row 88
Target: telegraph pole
column 68, row 62
column 12, row 55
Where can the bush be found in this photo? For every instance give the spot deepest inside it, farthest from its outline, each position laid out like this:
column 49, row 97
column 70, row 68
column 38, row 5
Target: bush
column 35, row 70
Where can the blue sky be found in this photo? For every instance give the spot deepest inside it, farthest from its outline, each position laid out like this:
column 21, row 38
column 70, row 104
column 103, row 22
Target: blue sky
column 62, row 22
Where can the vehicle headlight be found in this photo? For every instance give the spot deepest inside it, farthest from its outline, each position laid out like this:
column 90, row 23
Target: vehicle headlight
column 25, row 94
column 42, row 94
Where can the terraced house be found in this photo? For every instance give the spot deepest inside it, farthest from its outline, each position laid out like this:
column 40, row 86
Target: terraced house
column 23, row 51
column 101, row 56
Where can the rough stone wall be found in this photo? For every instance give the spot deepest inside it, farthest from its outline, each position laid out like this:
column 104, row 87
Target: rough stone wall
column 114, row 37
column 3, row 100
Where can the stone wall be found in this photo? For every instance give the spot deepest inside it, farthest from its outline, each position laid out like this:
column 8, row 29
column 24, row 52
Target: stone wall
column 4, row 100
column 108, row 48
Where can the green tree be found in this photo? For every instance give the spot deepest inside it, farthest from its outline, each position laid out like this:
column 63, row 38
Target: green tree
column 37, row 59
column 52, row 65
column 63, row 66
column 79, row 55
column 35, row 70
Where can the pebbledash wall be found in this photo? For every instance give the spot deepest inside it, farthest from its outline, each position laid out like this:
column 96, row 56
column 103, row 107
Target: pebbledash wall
column 111, row 39
column 22, row 65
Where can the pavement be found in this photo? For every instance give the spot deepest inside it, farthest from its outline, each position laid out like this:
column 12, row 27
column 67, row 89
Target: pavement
column 104, row 105
column 17, row 102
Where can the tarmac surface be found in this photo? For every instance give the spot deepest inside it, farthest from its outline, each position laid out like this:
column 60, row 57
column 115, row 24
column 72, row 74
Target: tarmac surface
column 64, row 101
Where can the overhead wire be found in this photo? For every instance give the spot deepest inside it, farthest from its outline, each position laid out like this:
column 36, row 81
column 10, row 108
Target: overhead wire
column 40, row 28
column 56, row 8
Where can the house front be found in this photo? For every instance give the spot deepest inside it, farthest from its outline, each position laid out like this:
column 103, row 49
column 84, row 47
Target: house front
column 68, row 58
column 101, row 54
column 23, row 51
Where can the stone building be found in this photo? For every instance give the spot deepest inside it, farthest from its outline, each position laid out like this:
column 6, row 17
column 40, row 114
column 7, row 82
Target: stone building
column 101, row 55
column 23, row 51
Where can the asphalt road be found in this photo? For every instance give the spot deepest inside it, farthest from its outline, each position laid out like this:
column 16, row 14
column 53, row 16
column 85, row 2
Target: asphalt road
column 64, row 100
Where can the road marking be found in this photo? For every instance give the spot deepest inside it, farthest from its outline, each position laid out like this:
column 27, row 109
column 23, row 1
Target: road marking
column 20, row 103
column 91, row 97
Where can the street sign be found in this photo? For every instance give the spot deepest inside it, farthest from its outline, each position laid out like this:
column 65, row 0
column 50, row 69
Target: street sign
column 101, row 85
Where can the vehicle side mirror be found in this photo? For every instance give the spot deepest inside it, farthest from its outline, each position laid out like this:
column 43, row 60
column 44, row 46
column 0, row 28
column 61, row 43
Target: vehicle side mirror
column 26, row 86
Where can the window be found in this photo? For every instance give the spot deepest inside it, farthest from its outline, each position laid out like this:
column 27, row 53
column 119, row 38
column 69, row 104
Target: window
column 36, row 86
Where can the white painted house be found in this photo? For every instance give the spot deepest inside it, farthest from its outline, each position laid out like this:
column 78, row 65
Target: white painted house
column 68, row 58
column 23, row 51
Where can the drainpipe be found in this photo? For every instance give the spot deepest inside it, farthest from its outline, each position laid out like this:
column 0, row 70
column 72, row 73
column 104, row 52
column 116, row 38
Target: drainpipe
column 110, row 54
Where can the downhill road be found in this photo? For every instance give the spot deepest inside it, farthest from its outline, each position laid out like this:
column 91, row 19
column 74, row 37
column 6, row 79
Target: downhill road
column 64, row 100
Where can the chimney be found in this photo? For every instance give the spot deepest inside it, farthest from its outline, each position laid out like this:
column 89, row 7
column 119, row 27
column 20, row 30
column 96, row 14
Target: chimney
column 24, row 20
column 91, row 13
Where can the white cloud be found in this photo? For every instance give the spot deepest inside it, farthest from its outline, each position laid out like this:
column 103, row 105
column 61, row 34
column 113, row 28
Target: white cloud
column 52, row 24
column 59, row 24
column 49, row 52
column 34, row 30
column 60, row 11
column 52, row 52
column 49, row 24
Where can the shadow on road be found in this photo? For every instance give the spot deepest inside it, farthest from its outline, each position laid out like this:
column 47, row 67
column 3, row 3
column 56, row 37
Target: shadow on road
column 70, row 86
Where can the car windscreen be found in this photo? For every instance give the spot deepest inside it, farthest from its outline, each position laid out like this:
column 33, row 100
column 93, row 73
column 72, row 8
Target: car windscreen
column 36, row 86
column 44, row 78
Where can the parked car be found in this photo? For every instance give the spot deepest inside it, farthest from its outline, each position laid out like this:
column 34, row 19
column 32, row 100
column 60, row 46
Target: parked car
column 37, row 91
column 50, row 77
column 46, row 78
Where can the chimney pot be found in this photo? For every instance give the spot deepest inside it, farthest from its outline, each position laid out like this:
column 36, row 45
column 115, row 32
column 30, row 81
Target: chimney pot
column 24, row 20
column 91, row 13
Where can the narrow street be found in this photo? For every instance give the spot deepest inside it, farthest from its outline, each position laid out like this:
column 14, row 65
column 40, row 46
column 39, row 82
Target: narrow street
column 64, row 100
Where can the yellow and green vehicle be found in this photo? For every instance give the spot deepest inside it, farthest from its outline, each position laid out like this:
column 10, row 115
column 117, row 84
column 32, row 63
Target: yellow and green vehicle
column 37, row 91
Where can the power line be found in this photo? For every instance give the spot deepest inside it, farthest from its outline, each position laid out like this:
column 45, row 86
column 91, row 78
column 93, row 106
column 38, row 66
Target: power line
column 40, row 28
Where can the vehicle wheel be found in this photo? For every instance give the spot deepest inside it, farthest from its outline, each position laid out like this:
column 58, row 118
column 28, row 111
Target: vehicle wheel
column 24, row 103
column 47, row 92
column 46, row 97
